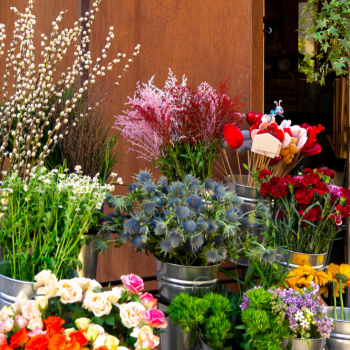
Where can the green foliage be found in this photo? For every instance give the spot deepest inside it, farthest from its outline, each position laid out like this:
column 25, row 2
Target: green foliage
column 186, row 158
column 264, row 331
column 45, row 219
column 331, row 30
column 208, row 316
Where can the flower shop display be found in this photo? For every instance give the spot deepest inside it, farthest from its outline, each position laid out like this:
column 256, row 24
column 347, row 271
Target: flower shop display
column 179, row 129
column 27, row 112
column 207, row 317
column 77, row 314
column 305, row 213
column 46, row 218
column 285, row 317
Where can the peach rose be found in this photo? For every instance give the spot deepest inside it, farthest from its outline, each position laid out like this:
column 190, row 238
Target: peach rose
column 22, row 322
column 42, row 277
column 35, row 323
column 31, row 310
column 132, row 314
column 83, row 282
column 115, row 294
column 97, row 303
column 69, row 291
column 94, row 286
column 7, row 325
column 145, row 338
column 43, row 302
column 49, row 290
column 20, row 301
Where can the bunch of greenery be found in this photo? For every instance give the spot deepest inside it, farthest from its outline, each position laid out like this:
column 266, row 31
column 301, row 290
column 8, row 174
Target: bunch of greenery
column 186, row 223
column 208, row 317
column 331, row 31
column 264, row 330
column 45, row 219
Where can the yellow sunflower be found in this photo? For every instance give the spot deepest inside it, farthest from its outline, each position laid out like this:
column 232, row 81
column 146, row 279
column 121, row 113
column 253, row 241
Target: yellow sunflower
column 304, row 275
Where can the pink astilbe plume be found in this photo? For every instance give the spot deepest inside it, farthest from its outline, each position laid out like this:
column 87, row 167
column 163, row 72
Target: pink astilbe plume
column 160, row 117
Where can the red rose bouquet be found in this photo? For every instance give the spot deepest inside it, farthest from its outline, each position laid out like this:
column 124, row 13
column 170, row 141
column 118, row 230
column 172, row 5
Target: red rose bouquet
column 305, row 211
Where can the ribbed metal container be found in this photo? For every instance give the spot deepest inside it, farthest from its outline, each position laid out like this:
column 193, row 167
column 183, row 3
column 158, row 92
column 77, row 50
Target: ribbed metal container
column 89, row 257
column 316, row 261
column 298, row 344
column 203, row 346
column 173, row 280
column 340, row 337
column 10, row 288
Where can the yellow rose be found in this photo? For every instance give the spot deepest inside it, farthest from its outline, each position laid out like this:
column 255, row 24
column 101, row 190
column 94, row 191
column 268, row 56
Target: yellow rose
column 83, row 323
column 93, row 331
column 112, row 342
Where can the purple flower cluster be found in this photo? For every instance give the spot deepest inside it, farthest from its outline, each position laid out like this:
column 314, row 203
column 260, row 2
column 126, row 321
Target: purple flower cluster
column 245, row 299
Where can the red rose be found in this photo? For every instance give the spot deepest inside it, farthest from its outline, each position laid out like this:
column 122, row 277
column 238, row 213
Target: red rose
column 321, row 188
column 265, row 189
column 19, row 339
column 53, row 325
column 263, row 174
column 304, row 195
column 310, row 179
column 39, row 342
column 79, row 337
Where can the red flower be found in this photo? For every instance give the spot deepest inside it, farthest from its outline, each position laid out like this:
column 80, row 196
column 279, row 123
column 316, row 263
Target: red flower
column 308, row 171
column 315, row 149
column 53, row 325
column 57, row 342
column 279, row 215
column 265, row 189
column 345, row 192
column 275, row 160
column 39, row 342
column 79, row 337
column 326, row 172
column 294, row 180
column 278, row 187
column 321, row 188
column 310, row 179
column 336, row 218
column 263, row 174
column 19, row 339
column 5, row 346
column 304, row 195
column 343, row 210
column 313, row 214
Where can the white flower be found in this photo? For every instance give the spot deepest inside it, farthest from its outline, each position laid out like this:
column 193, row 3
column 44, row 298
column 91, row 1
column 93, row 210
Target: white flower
column 145, row 338
column 305, row 324
column 70, row 291
column 299, row 316
column 114, row 174
column 77, row 168
column 115, row 294
column 7, row 325
column 83, row 282
column 43, row 302
column 19, row 303
column 42, row 277
column 132, row 314
column 83, row 323
column 94, row 286
column 93, row 331
column 100, row 341
column 31, row 310
column 111, row 342
column 35, row 323
column 97, row 303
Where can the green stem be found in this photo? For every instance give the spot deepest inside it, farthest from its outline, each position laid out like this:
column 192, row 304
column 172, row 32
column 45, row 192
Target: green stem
column 335, row 303
column 341, row 300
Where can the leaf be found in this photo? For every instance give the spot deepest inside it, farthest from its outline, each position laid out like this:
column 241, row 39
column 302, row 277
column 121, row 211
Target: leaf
column 98, row 320
column 109, row 319
column 78, row 314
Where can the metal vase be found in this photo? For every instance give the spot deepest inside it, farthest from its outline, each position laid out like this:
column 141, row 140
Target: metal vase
column 316, row 261
column 88, row 256
column 298, row 344
column 10, row 288
column 203, row 345
column 173, row 280
column 340, row 337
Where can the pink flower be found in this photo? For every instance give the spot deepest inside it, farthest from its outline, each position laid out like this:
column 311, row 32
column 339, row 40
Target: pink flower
column 35, row 332
column 337, row 218
column 133, row 283
column 7, row 325
column 148, row 301
column 155, row 318
column 3, row 338
column 22, row 322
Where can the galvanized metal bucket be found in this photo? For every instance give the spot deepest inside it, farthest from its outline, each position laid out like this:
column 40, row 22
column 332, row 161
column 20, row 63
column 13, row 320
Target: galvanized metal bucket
column 298, row 344
column 174, row 279
column 316, row 261
column 89, row 257
column 340, row 337
column 203, row 346
column 10, row 288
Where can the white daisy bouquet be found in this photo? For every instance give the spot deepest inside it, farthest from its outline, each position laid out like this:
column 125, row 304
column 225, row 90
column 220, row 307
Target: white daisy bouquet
column 45, row 219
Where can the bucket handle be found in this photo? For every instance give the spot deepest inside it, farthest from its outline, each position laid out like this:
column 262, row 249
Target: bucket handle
column 198, row 285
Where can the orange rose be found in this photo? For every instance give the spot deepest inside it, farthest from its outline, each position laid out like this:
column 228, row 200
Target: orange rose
column 79, row 337
column 19, row 339
column 102, row 348
column 72, row 345
column 53, row 325
column 39, row 342
column 5, row 346
column 57, row 342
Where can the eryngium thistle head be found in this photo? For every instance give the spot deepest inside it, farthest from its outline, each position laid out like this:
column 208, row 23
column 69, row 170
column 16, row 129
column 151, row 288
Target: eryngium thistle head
column 143, row 176
column 166, row 245
column 194, row 202
column 125, row 237
column 132, row 226
column 176, row 190
column 109, row 201
column 189, row 179
column 219, row 190
column 183, row 213
column 190, row 226
column 212, row 226
column 219, row 241
column 149, row 187
column 222, row 253
column 194, row 187
column 209, row 185
column 176, row 238
column 133, row 186
column 233, row 215
column 160, row 229
column 174, row 203
column 163, row 184
column 202, row 226
column 138, row 241
column 149, row 208
column 212, row 256
column 197, row 242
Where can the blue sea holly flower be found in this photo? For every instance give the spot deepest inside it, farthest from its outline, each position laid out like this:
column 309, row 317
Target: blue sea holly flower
column 189, row 179
column 233, row 215
column 183, row 213
column 155, row 220
column 219, row 240
column 222, row 253
column 149, row 208
column 194, row 187
column 176, row 238
column 190, row 226
column 133, row 187
column 175, row 202
column 197, row 242
column 149, row 187
column 166, row 245
column 143, row 176
column 209, row 185
column 212, row 226
column 176, row 190
column 234, row 200
column 132, row 226
column 160, row 229
column 194, row 202
column 212, row 256
column 202, row 226
column 143, row 230
column 189, row 248
column 219, row 190
column 138, row 241
column 125, row 237
column 163, row 184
